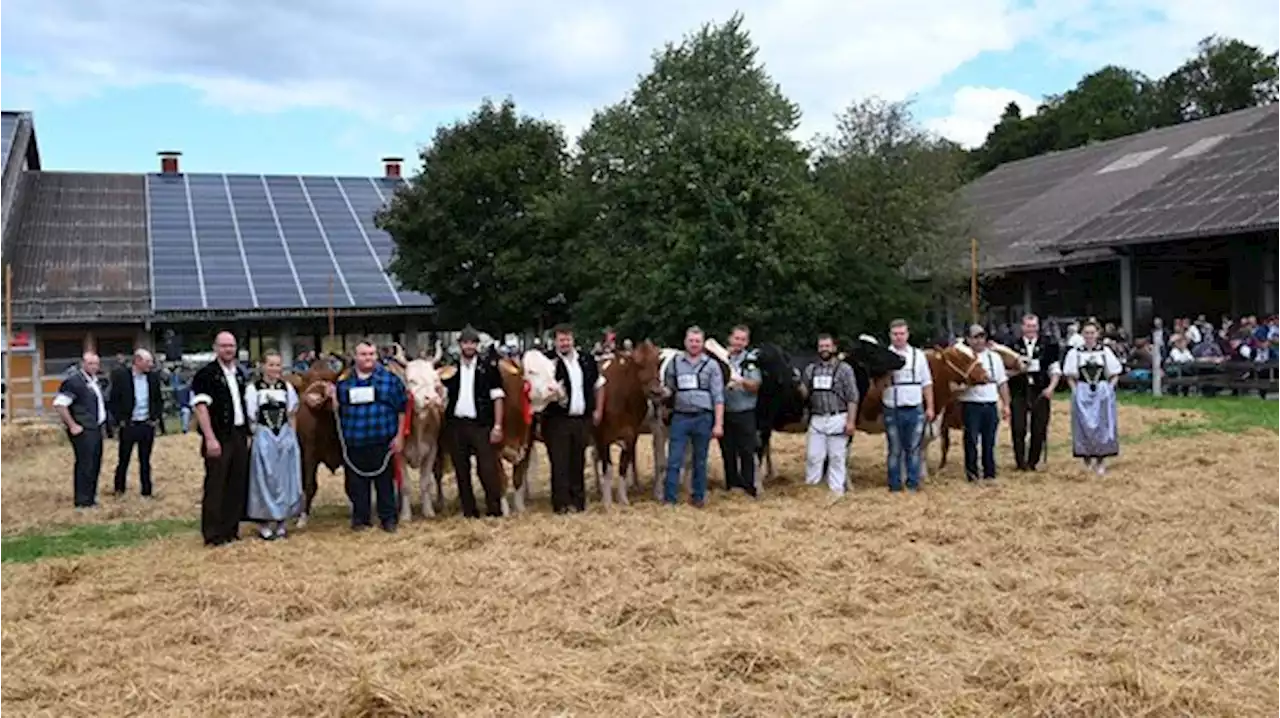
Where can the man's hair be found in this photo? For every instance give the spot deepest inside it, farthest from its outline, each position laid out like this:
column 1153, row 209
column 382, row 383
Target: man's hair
column 272, row 353
column 562, row 329
column 741, row 328
column 366, row 343
column 1030, row 316
column 141, row 353
column 695, row 329
column 825, row 336
column 1090, row 323
column 896, row 323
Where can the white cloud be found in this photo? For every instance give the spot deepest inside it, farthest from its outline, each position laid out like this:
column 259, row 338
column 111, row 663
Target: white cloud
column 974, row 110
column 395, row 61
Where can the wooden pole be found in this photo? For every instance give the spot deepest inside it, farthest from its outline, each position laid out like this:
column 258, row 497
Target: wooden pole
column 331, row 307
column 8, row 340
column 973, row 279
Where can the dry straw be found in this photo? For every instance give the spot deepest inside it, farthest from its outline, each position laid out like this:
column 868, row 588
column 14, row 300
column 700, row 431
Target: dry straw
column 1150, row 592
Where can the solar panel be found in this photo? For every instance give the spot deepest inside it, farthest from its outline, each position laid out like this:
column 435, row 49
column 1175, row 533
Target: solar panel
column 222, row 259
column 275, row 279
column 368, row 196
column 8, row 128
column 322, row 279
column 350, row 245
column 177, row 279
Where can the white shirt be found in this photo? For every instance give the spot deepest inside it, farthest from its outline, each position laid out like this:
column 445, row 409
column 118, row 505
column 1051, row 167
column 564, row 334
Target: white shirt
column 1193, row 334
column 988, row 393
column 1075, row 341
column 289, row 396
column 466, row 406
column 909, row 382
column 67, row 399
column 1098, row 355
column 577, row 400
column 1181, row 356
column 237, row 401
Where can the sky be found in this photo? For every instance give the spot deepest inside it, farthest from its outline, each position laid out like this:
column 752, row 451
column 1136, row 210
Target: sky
column 332, row 86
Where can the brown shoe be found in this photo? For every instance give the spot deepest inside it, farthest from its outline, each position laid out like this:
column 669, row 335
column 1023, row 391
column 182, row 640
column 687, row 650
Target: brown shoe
column 697, row 503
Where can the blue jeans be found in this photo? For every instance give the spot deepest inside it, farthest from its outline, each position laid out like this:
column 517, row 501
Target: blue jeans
column 686, row 428
column 980, row 423
column 185, row 416
column 903, row 427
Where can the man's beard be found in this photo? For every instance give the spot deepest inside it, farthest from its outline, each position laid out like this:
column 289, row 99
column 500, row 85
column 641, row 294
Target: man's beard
column 826, row 355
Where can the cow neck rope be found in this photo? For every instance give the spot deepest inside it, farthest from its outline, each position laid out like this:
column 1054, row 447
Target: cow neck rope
column 346, row 459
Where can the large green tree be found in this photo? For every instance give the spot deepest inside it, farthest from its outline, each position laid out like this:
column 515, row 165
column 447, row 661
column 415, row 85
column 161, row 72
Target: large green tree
column 702, row 211
column 892, row 219
column 480, row 228
column 1224, row 76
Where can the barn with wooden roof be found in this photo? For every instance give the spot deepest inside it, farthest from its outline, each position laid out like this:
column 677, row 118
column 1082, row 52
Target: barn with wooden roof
column 164, row 259
column 1173, row 222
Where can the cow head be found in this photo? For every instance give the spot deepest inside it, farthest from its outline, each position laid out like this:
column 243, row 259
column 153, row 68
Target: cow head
column 647, row 360
column 540, row 377
column 321, row 372
column 875, row 359
column 963, row 364
column 424, row 385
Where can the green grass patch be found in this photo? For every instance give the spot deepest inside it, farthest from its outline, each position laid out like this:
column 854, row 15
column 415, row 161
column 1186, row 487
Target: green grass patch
column 1228, row 414
column 25, row 548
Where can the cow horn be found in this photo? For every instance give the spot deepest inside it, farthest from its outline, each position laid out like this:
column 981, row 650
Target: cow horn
column 439, row 352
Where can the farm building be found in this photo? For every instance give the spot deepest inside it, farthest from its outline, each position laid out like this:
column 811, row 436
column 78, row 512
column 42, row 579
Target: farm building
column 1173, row 222
column 164, row 259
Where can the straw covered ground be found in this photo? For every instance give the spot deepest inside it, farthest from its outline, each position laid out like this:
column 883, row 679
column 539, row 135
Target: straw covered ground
column 1152, row 591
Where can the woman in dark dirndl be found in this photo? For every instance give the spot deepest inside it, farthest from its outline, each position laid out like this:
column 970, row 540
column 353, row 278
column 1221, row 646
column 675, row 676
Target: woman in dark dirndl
column 275, row 461
column 1093, row 370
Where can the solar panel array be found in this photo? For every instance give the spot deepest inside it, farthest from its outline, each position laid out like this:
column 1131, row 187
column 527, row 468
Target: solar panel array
column 240, row 242
column 1231, row 187
column 8, row 128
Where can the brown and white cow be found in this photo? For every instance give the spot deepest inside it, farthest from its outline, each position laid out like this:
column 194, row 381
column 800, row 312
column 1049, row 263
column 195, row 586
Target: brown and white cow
column 317, row 429
column 631, row 384
column 422, row 444
column 953, row 367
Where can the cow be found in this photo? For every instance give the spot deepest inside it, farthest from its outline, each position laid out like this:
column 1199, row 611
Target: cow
column 632, row 386
column 317, row 427
column 425, row 416
column 782, row 405
column 538, row 386
column 948, row 414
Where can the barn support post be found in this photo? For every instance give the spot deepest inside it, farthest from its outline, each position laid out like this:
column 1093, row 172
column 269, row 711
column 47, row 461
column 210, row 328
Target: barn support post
column 1126, row 293
column 142, row 339
column 1269, row 275
column 284, row 344
column 1026, row 295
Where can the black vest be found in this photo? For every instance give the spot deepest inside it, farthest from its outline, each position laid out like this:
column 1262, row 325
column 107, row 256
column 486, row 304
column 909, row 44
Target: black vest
column 1043, row 351
column 590, row 373
column 487, row 378
column 272, row 413
column 84, row 402
column 210, row 381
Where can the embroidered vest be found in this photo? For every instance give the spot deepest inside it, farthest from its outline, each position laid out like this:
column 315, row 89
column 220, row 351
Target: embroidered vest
column 273, row 404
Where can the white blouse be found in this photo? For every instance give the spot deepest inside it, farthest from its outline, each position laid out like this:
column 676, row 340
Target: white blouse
column 1099, row 355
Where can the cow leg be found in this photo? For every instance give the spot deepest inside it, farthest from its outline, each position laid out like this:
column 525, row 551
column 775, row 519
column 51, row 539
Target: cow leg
column 606, row 478
column 426, row 477
column 309, row 486
column 626, row 460
column 659, row 431
column 406, row 498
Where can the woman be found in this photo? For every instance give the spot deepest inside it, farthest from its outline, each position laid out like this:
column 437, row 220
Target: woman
column 275, row 462
column 1092, row 370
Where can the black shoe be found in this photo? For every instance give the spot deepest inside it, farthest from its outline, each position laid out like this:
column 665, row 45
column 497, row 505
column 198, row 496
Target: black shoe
column 360, row 527
column 389, row 526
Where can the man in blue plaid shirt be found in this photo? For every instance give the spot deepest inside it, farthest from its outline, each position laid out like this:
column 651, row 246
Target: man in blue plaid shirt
column 370, row 404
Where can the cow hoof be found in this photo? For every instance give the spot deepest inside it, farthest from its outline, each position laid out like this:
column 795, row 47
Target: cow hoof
column 506, row 507
column 302, row 521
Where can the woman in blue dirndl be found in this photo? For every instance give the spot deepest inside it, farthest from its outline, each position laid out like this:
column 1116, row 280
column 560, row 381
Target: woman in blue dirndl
column 1093, row 370
column 275, row 461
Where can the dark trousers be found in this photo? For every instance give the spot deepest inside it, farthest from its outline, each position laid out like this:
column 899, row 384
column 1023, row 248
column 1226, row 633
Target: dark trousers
column 1028, row 404
column 143, row 434
column 738, row 450
column 467, row 438
column 566, row 440
column 368, row 459
column 980, row 423
column 226, row 488
column 88, row 452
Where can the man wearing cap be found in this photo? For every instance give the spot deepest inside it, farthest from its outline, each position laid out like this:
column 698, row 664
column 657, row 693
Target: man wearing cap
column 978, row 408
column 697, row 384
column 473, row 424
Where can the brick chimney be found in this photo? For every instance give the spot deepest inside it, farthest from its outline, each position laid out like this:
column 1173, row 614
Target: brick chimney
column 169, row 162
column 391, row 165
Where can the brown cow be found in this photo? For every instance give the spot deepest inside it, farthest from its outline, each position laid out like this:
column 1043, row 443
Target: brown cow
column 630, row 385
column 317, row 429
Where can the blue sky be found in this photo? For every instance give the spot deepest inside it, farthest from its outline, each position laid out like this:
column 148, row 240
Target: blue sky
column 329, row 87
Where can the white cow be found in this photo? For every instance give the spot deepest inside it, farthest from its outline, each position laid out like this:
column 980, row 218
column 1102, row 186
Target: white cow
column 540, row 377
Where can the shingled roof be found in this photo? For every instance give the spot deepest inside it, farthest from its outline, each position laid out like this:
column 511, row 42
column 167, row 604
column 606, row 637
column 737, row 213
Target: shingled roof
column 1209, row 177
column 80, row 249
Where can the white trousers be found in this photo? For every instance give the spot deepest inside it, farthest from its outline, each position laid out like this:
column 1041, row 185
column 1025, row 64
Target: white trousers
column 826, row 443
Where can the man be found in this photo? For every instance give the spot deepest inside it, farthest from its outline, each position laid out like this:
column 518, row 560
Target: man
column 218, row 388
column 83, row 411
column 473, row 424
column 738, row 445
column 978, row 409
column 370, row 403
column 1030, row 393
column 137, row 403
column 697, row 384
column 564, row 424
column 832, row 393
column 908, row 406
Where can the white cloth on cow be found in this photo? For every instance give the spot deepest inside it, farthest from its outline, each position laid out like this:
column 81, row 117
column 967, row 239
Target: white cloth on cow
column 826, row 442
